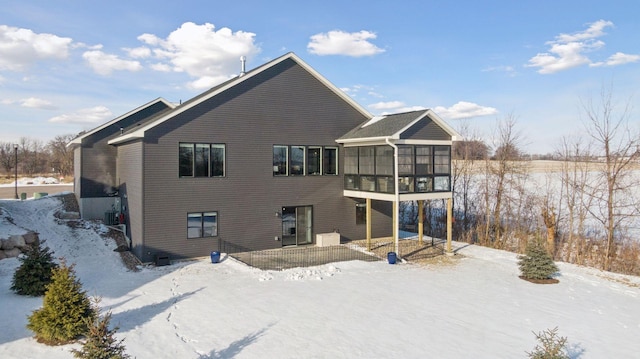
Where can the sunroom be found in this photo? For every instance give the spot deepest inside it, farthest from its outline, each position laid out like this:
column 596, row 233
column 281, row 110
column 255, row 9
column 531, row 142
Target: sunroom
column 400, row 157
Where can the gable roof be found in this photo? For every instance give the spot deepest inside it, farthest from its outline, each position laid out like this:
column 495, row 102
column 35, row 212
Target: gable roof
column 140, row 130
column 392, row 126
column 79, row 138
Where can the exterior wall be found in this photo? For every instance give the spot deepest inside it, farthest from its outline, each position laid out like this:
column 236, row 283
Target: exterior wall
column 129, row 176
column 98, row 159
column 426, row 128
column 95, row 207
column 77, row 172
column 283, row 105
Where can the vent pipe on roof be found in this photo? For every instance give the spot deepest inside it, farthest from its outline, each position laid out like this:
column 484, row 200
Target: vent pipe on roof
column 243, row 60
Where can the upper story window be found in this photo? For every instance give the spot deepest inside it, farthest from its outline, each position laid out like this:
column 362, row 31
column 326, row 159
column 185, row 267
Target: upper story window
column 420, row 168
column 304, row 160
column 201, row 160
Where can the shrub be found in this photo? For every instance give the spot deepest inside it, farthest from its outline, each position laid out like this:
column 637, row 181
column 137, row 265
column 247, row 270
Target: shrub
column 34, row 274
column 65, row 309
column 551, row 346
column 100, row 342
column 536, row 263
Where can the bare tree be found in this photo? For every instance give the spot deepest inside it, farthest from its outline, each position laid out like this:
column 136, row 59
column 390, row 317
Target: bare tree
column 467, row 153
column 501, row 176
column 7, row 157
column 617, row 145
column 61, row 155
column 575, row 155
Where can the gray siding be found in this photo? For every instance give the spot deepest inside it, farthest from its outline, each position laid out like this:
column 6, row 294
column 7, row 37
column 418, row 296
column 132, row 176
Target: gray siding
column 426, row 129
column 283, row 105
column 99, row 159
column 129, row 173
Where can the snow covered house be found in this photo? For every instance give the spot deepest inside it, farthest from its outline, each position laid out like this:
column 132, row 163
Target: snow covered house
column 268, row 159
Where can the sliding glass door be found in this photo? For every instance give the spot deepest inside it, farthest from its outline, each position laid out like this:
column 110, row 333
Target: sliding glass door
column 297, row 225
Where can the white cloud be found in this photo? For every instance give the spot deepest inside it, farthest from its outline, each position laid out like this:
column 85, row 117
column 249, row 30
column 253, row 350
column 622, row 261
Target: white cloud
column 93, row 115
column 22, row 47
column 33, row 102
column 595, row 30
column 208, row 55
column 104, row 64
column 161, row 67
column 386, row 105
column 618, row 58
column 568, row 50
column 464, row 109
column 141, row 52
column 389, row 107
column 338, row 42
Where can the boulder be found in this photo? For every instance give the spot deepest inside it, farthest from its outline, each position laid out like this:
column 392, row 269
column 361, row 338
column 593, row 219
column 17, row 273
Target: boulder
column 17, row 240
column 30, row 237
column 12, row 253
column 2, row 255
column 5, row 243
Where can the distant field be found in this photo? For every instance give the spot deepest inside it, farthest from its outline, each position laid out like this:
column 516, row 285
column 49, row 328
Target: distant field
column 545, row 166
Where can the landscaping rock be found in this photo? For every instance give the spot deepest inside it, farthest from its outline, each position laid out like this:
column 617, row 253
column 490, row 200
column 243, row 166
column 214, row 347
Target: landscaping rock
column 2, row 255
column 17, row 241
column 30, row 237
column 12, row 253
column 5, row 244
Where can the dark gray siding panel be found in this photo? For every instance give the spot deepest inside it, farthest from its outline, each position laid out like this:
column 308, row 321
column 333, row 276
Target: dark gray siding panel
column 129, row 175
column 98, row 170
column 426, row 129
column 99, row 159
column 77, row 168
column 284, row 105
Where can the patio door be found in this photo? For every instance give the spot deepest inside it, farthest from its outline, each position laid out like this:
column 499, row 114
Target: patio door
column 297, row 225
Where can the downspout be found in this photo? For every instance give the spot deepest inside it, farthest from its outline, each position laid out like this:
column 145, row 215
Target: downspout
column 397, row 193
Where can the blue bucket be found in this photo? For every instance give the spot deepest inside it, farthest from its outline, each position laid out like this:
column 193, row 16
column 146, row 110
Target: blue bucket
column 391, row 257
column 215, row 257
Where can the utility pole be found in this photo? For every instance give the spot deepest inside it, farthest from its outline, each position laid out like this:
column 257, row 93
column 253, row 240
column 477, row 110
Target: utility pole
column 15, row 149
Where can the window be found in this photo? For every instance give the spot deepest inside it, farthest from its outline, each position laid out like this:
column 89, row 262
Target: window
column 421, row 168
column 305, row 160
column 314, row 160
column 384, row 160
column 405, row 160
column 423, row 160
column 201, row 160
column 202, row 224
column 280, row 160
column 330, row 161
column 217, row 160
column 442, row 159
column 297, row 161
column 185, row 160
column 366, row 160
column 351, row 160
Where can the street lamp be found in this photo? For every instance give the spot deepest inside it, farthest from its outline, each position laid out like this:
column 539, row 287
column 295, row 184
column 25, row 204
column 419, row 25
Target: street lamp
column 15, row 149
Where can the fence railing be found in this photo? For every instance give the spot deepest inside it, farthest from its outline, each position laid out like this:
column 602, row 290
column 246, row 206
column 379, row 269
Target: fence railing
column 286, row 258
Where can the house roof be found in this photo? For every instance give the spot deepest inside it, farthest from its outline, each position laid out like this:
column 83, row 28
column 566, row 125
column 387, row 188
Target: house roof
column 79, row 138
column 392, row 126
column 139, row 131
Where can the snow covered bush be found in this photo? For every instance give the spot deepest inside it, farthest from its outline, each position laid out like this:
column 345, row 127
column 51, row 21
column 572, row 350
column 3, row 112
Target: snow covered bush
column 65, row 311
column 34, row 274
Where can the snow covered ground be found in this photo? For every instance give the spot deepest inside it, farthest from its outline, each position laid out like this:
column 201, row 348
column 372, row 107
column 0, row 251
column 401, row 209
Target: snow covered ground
column 473, row 307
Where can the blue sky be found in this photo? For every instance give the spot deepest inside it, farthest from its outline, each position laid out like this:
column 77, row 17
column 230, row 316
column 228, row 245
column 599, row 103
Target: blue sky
column 68, row 66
